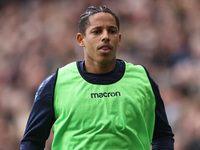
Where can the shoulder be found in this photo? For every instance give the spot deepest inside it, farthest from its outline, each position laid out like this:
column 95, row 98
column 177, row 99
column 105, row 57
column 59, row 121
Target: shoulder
column 135, row 71
column 140, row 69
column 47, row 86
column 133, row 67
column 69, row 66
column 67, row 69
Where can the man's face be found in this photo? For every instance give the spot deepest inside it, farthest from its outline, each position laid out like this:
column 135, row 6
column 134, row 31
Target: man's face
column 101, row 39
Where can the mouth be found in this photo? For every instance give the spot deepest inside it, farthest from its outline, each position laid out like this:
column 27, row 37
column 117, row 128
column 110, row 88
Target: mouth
column 105, row 48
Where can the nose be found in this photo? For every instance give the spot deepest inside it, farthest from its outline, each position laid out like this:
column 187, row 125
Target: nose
column 105, row 37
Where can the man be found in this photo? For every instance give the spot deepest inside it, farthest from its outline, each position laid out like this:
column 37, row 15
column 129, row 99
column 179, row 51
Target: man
column 100, row 103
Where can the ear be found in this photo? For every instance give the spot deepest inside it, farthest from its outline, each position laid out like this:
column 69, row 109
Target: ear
column 80, row 39
column 119, row 42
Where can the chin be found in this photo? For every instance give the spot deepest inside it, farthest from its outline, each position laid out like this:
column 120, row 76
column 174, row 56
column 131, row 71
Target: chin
column 107, row 61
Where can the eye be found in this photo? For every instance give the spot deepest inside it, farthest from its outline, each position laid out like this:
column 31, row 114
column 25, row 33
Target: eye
column 112, row 31
column 96, row 32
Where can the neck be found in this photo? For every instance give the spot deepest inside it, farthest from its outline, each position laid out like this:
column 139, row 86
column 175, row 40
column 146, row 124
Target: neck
column 100, row 68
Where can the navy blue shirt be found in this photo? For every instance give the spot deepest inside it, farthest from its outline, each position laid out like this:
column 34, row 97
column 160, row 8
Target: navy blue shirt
column 42, row 116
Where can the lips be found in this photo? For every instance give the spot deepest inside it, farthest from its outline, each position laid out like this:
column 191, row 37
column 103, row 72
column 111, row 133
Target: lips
column 105, row 48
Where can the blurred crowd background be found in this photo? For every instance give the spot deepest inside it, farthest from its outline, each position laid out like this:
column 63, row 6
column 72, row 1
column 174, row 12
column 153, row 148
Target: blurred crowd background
column 38, row 36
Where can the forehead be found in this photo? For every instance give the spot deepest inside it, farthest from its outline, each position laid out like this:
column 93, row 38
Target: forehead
column 102, row 19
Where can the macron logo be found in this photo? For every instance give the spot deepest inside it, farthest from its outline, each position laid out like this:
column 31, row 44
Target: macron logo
column 105, row 94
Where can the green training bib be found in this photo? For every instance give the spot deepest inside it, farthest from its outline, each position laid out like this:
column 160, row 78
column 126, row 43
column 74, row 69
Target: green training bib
column 116, row 116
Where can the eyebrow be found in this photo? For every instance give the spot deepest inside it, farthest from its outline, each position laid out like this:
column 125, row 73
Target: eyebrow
column 99, row 27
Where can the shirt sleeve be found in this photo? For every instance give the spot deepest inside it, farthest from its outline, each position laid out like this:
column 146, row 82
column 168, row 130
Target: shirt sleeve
column 163, row 137
column 41, row 117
